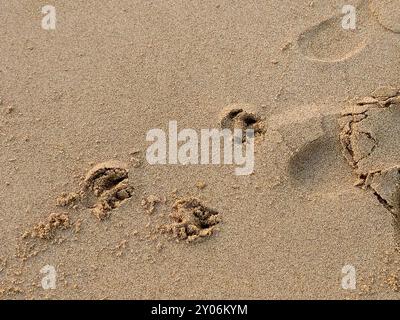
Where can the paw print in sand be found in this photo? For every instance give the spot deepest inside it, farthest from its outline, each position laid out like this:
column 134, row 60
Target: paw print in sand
column 105, row 188
column 191, row 220
column 108, row 181
column 242, row 116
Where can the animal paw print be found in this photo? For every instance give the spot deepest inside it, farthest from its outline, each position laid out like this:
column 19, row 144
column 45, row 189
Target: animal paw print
column 109, row 183
column 192, row 220
column 244, row 117
column 105, row 188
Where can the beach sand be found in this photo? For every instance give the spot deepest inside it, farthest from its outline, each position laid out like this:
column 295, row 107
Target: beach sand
column 77, row 193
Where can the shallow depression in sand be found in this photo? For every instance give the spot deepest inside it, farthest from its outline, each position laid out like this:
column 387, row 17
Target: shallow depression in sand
column 318, row 166
column 328, row 41
column 387, row 12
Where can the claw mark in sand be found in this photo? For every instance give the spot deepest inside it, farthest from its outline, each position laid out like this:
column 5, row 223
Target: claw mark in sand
column 370, row 136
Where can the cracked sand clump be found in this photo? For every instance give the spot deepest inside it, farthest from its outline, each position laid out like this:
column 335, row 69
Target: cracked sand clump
column 370, row 136
column 369, row 131
column 192, row 220
column 385, row 185
column 149, row 203
column 68, row 199
column 47, row 229
column 357, row 144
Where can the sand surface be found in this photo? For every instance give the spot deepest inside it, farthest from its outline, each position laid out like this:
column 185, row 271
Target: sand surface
column 77, row 193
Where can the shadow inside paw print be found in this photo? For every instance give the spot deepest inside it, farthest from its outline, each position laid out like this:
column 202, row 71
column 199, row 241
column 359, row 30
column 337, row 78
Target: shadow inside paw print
column 244, row 117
